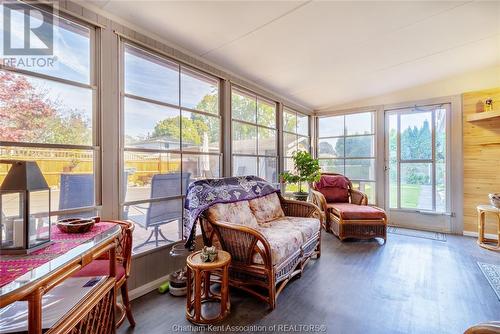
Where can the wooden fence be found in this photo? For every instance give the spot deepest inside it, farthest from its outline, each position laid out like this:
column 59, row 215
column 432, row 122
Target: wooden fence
column 53, row 162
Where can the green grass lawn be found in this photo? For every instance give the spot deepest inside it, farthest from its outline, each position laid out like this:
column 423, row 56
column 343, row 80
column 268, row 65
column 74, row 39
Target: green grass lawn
column 410, row 195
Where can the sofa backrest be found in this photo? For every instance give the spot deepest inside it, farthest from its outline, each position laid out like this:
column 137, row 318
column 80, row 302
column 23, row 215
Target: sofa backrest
column 248, row 213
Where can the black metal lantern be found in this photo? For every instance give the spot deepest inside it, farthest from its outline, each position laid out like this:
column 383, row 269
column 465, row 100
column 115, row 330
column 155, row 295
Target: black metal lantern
column 25, row 209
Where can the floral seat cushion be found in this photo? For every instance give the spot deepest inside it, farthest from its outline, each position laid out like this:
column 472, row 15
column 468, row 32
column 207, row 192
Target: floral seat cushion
column 266, row 208
column 353, row 211
column 233, row 213
column 308, row 227
column 283, row 241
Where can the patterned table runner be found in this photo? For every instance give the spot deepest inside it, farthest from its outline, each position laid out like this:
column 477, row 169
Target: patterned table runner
column 13, row 266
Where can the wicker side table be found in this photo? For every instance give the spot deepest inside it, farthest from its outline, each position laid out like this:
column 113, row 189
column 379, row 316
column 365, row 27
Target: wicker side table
column 199, row 283
column 484, row 242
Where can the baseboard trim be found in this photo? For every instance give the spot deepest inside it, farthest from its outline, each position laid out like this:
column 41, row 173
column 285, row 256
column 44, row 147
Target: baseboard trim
column 475, row 234
column 147, row 288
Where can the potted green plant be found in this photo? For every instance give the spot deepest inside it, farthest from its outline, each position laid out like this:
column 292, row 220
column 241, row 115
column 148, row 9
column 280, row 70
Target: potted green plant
column 306, row 170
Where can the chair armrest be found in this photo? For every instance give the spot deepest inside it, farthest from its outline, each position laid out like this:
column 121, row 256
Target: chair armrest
column 241, row 242
column 294, row 208
column 358, row 197
column 319, row 200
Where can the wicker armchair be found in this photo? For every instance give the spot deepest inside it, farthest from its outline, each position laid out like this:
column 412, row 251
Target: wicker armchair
column 263, row 279
column 352, row 218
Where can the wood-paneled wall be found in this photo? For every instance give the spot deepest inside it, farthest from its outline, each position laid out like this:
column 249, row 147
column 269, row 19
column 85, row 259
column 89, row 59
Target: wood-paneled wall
column 481, row 144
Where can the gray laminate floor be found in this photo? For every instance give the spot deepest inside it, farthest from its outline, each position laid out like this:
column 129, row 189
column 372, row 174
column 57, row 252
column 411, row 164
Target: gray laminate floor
column 409, row 285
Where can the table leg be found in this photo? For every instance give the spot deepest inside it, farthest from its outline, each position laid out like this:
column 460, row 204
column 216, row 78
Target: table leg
column 498, row 232
column 480, row 226
column 206, row 284
column 198, row 277
column 224, row 291
column 189, row 287
column 35, row 312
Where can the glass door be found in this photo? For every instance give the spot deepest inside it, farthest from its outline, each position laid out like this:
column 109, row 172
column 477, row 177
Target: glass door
column 417, row 191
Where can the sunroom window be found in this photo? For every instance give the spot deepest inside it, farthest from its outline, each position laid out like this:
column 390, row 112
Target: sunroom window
column 171, row 137
column 48, row 115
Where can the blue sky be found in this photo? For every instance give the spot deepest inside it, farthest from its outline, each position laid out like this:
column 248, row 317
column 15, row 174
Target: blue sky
column 157, row 80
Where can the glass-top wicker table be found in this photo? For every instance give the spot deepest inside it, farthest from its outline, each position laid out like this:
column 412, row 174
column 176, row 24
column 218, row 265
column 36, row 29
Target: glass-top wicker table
column 29, row 277
column 482, row 241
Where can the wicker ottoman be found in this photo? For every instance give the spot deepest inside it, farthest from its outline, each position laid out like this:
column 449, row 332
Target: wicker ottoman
column 357, row 221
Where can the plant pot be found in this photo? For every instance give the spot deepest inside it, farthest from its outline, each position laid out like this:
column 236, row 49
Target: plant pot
column 301, row 196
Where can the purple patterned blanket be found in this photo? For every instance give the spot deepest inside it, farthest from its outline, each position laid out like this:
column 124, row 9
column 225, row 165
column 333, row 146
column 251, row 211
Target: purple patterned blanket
column 204, row 193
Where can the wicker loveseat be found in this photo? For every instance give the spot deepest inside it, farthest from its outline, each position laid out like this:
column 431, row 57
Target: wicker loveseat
column 270, row 240
column 346, row 212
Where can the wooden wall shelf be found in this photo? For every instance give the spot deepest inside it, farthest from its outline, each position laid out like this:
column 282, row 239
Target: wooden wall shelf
column 483, row 115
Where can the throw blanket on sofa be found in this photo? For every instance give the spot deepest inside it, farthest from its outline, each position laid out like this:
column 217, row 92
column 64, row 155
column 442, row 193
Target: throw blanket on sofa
column 202, row 194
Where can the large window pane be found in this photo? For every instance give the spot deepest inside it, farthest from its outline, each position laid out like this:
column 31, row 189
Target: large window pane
column 267, row 142
column 148, row 125
column 303, row 144
column 393, row 160
column 367, row 187
column 359, row 147
column 416, row 136
column 243, row 106
column 416, row 186
column 359, row 124
column 266, row 113
column 289, row 144
column 302, row 124
column 69, row 173
column 440, row 186
column 267, row 169
column 244, row 138
column 332, row 165
column 33, row 110
column 289, row 121
column 200, row 133
column 199, row 92
column 331, row 148
column 163, row 217
column 360, row 169
column 331, row 126
column 201, row 166
column 244, row 165
column 71, row 49
column 151, row 77
column 140, row 168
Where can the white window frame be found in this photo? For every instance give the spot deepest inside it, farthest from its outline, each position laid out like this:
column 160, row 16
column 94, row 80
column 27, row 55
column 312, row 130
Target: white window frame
column 94, row 71
column 122, row 184
column 296, row 134
column 374, row 134
column 432, row 160
column 258, row 126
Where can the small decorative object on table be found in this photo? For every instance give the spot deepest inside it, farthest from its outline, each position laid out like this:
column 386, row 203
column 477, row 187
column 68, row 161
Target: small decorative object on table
column 495, row 199
column 208, row 254
column 77, row 225
column 488, row 104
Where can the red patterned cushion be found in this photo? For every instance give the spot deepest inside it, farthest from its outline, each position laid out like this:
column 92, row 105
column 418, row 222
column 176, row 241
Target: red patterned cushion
column 354, row 211
column 100, row 268
column 335, row 188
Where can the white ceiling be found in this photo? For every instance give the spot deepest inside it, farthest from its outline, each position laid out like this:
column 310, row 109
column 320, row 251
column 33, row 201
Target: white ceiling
column 326, row 53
